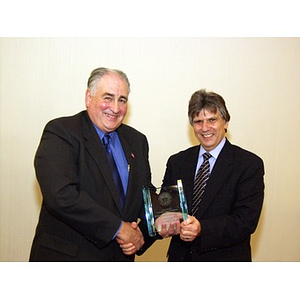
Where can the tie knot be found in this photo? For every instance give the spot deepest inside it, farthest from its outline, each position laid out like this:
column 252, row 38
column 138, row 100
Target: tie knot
column 106, row 139
column 206, row 156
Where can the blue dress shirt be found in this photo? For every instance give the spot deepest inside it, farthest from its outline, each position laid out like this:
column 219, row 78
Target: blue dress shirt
column 118, row 154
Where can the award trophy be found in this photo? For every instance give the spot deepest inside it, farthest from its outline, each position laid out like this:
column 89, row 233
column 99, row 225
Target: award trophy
column 164, row 208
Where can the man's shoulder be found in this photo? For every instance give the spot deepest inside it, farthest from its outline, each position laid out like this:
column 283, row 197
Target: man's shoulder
column 186, row 153
column 65, row 120
column 242, row 153
column 130, row 131
column 69, row 125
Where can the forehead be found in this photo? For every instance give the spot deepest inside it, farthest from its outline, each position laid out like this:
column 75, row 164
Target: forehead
column 113, row 81
column 207, row 113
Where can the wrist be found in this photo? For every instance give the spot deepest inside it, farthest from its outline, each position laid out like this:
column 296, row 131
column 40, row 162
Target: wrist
column 118, row 230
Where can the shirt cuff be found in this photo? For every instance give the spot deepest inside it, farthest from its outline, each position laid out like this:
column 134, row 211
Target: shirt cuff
column 117, row 230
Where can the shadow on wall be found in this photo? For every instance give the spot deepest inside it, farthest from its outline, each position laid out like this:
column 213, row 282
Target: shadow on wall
column 38, row 195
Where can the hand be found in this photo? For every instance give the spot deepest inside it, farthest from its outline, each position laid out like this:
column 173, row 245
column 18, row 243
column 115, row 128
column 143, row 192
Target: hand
column 190, row 229
column 130, row 238
column 173, row 229
column 168, row 224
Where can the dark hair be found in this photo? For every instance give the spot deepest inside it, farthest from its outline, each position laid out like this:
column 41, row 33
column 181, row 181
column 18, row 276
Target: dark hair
column 98, row 73
column 207, row 100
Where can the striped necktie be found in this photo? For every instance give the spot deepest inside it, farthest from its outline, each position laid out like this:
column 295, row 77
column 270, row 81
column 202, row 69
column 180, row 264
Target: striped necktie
column 200, row 182
column 114, row 169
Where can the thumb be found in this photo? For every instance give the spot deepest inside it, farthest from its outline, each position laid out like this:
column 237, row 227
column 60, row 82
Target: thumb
column 134, row 225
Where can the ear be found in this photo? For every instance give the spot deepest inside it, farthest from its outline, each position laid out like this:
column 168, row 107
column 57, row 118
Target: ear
column 88, row 98
column 226, row 126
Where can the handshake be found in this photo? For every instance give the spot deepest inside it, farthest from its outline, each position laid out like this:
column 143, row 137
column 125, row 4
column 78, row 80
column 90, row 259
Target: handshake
column 131, row 239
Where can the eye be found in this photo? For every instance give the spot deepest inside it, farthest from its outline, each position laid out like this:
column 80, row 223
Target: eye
column 198, row 122
column 212, row 120
column 123, row 100
column 108, row 98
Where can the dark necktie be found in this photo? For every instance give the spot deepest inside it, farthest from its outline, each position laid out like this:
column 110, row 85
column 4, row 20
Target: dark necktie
column 200, row 182
column 114, row 169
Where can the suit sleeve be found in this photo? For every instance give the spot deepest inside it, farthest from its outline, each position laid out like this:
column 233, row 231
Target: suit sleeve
column 57, row 169
column 170, row 176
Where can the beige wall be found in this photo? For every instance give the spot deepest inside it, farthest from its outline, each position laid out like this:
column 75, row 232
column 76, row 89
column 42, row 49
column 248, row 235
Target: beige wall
column 259, row 78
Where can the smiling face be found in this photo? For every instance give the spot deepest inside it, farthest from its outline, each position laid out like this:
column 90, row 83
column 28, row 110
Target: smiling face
column 107, row 106
column 209, row 128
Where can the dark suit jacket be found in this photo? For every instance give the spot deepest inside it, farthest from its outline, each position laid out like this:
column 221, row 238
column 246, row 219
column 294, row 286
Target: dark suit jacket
column 81, row 210
column 230, row 207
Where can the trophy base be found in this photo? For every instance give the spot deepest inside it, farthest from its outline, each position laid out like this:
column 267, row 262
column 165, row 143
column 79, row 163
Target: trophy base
column 167, row 218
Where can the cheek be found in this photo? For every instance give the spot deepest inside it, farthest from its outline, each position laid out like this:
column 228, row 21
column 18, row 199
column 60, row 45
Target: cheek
column 103, row 106
column 197, row 132
column 123, row 110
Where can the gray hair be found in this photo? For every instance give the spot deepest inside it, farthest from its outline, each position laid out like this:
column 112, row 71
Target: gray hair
column 207, row 100
column 98, row 73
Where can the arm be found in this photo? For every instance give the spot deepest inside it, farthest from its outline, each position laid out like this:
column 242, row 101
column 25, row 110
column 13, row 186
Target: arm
column 64, row 179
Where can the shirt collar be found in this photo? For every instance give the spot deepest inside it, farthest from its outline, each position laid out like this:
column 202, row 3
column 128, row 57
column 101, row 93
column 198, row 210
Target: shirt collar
column 101, row 133
column 216, row 151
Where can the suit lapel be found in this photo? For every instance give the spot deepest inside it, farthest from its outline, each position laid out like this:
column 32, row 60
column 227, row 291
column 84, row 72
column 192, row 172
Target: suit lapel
column 189, row 174
column 97, row 151
column 132, row 165
column 223, row 167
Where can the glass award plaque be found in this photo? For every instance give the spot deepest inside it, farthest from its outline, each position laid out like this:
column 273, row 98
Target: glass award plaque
column 167, row 206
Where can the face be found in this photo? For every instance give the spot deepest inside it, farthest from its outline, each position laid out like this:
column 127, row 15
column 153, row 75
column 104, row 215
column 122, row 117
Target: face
column 108, row 107
column 209, row 129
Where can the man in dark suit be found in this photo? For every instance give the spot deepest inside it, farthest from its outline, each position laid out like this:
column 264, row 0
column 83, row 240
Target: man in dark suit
column 225, row 210
column 86, row 215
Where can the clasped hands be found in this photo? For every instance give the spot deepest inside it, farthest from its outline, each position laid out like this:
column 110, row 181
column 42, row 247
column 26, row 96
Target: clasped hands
column 130, row 238
column 188, row 229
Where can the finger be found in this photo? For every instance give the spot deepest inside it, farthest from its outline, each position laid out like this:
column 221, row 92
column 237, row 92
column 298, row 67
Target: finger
column 119, row 241
column 174, row 227
column 129, row 252
column 185, row 238
column 126, row 246
column 189, row 220
column 163, row 229
column 134, row 225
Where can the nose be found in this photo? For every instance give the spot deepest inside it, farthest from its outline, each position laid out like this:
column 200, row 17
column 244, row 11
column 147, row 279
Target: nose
column 115, row 107
column 205, row 126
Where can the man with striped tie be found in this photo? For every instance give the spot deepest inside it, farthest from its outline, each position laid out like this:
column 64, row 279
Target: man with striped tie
column 223, row 185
